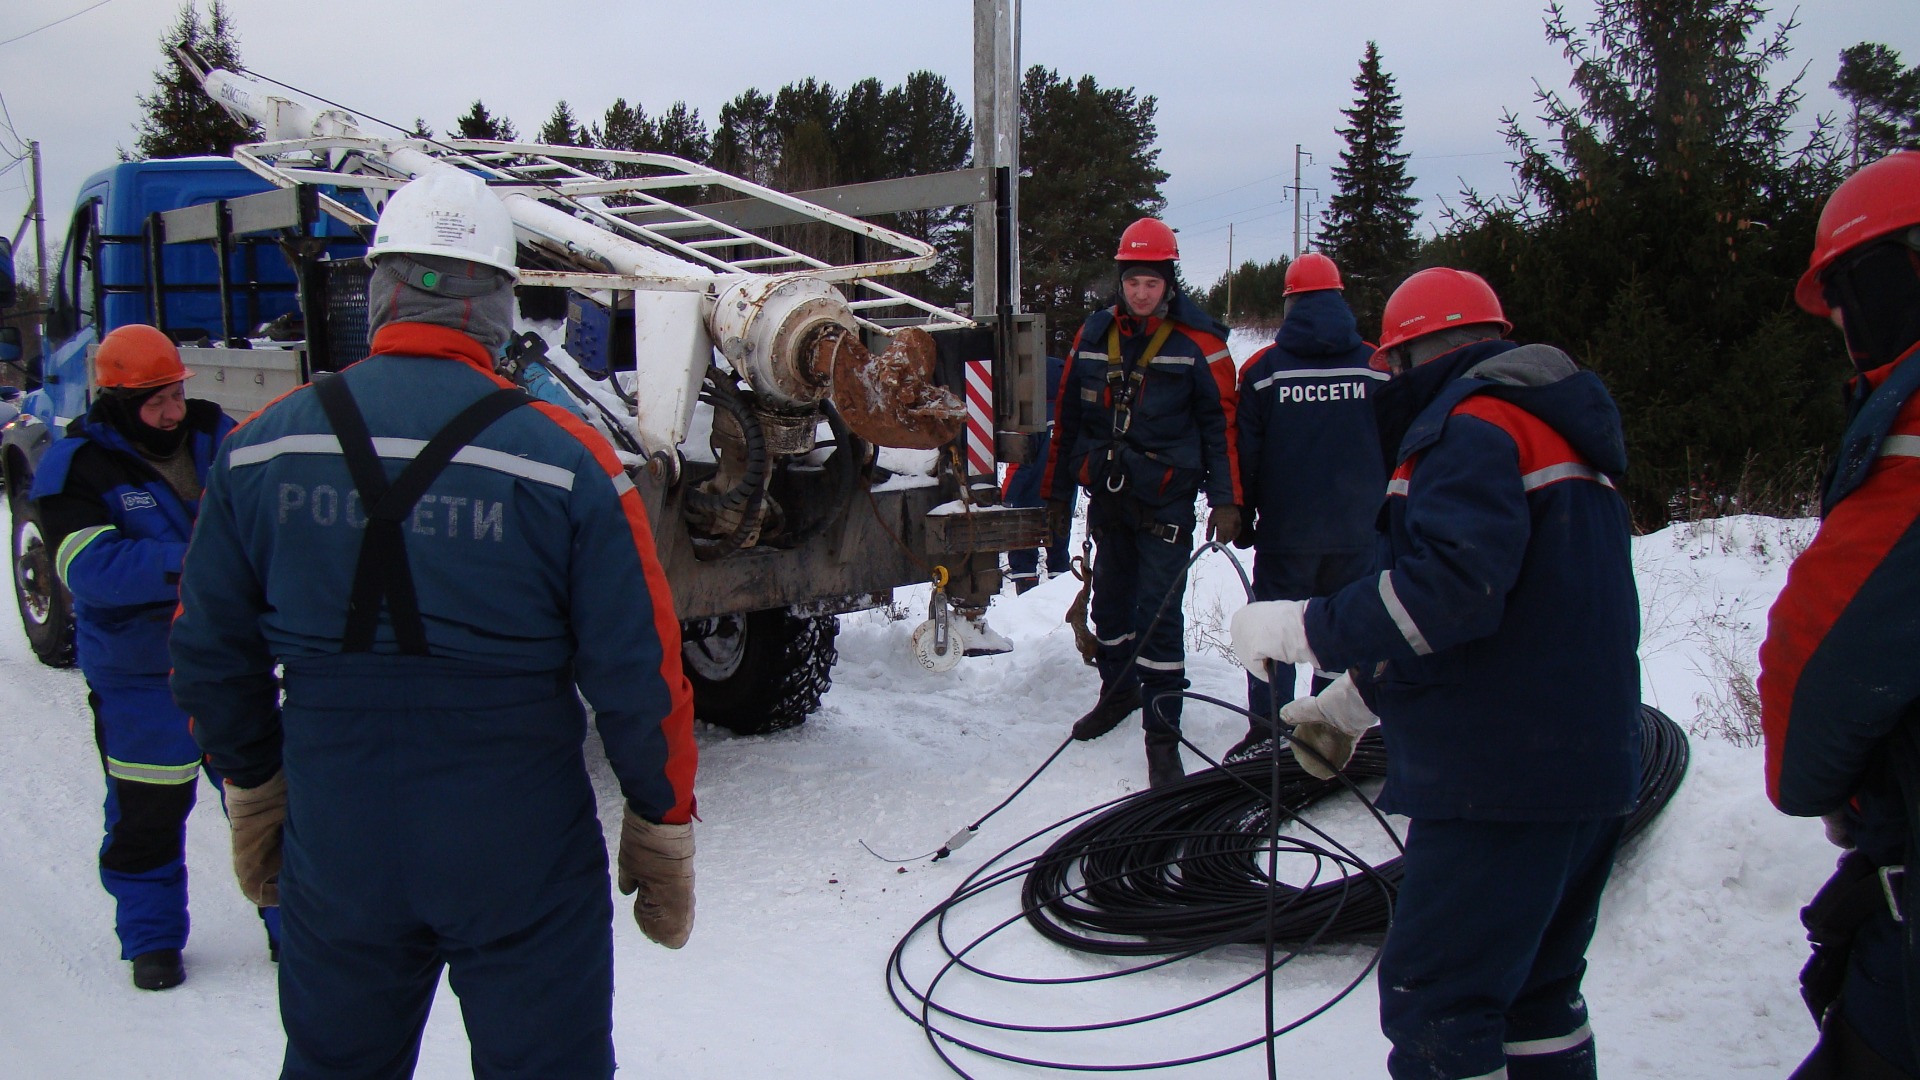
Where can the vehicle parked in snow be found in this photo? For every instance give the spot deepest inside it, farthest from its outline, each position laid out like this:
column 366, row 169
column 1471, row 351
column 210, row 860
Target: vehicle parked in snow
column 748, row 394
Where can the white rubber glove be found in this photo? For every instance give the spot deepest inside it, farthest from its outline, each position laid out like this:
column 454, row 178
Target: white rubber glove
column 1271, row 630
column 1328, row 724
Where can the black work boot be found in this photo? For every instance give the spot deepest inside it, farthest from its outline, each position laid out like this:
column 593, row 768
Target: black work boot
column 1257, row 743
column 158, row 970
column 1113, row 707
column 1163, row 765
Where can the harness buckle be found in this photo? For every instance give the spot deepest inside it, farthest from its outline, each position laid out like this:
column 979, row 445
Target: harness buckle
column 1891, row 878
column 1116, row 481
column 1167, row 532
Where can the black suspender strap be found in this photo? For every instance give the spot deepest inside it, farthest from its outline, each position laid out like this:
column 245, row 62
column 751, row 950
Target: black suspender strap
column 383, row 574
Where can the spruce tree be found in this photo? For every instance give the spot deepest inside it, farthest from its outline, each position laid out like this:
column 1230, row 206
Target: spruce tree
column 1883, row 100
column 562, row 129
column 1089, row 150
column 478, row 123
column 179, row 119
column 1657, row 232
column 1369, row 224
column 1258, row 294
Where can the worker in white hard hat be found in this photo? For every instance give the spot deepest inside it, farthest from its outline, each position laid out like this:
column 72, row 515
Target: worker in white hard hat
column 437, row 561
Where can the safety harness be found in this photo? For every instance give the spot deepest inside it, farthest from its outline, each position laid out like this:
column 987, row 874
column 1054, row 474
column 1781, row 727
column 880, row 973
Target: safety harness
column 383, row 575
column 1124, row 381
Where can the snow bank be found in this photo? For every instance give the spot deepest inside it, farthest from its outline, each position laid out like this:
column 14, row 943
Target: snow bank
column 1692, row 972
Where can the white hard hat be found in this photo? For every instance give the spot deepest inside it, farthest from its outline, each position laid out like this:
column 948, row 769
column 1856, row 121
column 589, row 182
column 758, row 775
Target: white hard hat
column 450, row 213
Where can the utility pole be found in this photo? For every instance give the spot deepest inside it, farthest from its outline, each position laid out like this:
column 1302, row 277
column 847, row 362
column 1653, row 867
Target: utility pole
column 996, row 144
column 1296, row 189
column 39, row 228
column 1229, row 269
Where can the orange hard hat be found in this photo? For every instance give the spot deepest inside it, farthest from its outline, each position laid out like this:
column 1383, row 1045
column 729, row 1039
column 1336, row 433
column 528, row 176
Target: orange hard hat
column 138, row 357
column 1881, row 198
column 1311, row 272
column 1436, row 299
column 1147, row 240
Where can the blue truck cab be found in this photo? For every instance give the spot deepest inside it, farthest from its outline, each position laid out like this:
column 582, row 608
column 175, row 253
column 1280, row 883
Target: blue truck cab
column 233, row 300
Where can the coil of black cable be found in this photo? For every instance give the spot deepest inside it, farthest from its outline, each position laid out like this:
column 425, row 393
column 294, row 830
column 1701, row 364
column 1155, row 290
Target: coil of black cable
column 1181, row 867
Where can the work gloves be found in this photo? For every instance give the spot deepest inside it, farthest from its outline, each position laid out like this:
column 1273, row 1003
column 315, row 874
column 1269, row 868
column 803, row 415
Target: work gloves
column 256, row 815
column 1326, row 726
column 1839, row 830
column 1271, row 630
column 1059, row 522
column 1223, row 524
column 657, row 861
column 1245, row 540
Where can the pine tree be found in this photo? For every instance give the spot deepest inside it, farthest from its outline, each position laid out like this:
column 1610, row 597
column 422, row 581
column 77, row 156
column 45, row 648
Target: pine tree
column 1369, row 226
column 1090, row 154
column 806, row 115
column 680, row 131
column 860, row 134
column 928, row 132
column 1883, row 99
column 747, row 144
column 420, row 130
column 478, row 123
column 626, row 127
column 180, row 119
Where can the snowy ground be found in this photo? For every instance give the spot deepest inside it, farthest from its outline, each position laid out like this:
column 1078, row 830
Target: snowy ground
column 1693, row 971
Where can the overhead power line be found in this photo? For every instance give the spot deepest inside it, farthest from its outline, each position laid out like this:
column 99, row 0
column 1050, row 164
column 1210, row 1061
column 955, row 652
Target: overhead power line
column 56, row 22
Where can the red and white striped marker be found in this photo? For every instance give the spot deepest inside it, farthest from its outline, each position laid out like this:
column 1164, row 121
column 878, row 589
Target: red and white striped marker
column 980, row 460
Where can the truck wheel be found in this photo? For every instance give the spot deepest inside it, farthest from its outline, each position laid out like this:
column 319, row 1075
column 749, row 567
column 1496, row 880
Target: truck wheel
column 759, row 672
column 46, row 611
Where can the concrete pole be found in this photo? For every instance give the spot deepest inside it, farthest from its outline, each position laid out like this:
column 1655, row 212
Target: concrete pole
column 996, row 139
column 39, row 228
column 1296, row 200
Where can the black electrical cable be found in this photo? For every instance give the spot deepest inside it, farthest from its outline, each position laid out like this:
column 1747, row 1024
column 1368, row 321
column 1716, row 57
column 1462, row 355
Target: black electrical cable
column 1195, row 879
column 1170, row 873
column 1173, row 872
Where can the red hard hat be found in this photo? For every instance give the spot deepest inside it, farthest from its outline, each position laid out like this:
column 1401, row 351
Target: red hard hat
column 1436, row 299
column 1311, row 272
column 1881, row 198
column 1147, row 240
column 138, row 357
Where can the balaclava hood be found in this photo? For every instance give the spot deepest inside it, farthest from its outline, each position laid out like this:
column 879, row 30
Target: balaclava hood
column 459, row 295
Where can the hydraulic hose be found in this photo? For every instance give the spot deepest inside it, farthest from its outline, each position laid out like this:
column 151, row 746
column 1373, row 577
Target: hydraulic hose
column 743, row 498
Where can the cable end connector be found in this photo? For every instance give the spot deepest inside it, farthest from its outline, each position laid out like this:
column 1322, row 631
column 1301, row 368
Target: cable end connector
column 955, row 842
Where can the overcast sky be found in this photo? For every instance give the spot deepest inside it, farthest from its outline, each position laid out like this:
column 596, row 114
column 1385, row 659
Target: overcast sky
column 1238, row 83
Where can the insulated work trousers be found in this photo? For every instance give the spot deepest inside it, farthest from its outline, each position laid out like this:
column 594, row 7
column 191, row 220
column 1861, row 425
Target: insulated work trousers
column 1482, row 965
column 439, row 815
column 1139, row 587
column 1295, row 576
column 1872, row 1033
column 153, row 768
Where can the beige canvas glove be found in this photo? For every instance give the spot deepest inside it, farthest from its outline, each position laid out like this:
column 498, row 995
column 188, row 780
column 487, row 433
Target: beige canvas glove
column 256, row 816
column 657, row 862
column 1328, row 725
